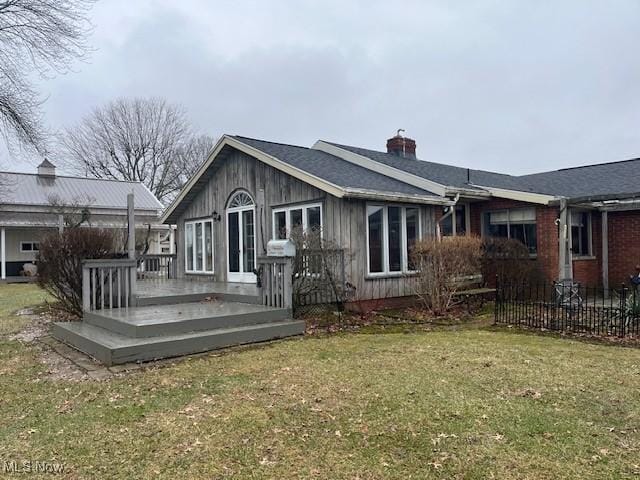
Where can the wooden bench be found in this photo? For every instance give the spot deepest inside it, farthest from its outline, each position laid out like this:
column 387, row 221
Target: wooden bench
column 468, row 293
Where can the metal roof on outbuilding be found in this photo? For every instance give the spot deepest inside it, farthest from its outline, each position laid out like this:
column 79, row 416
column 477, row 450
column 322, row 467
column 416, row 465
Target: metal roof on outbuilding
column 40, row 190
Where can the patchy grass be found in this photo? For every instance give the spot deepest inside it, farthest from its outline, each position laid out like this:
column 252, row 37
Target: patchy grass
column 14, row 297
column 439, row 404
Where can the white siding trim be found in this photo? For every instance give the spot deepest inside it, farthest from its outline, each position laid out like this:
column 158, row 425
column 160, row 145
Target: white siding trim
column 529, row 197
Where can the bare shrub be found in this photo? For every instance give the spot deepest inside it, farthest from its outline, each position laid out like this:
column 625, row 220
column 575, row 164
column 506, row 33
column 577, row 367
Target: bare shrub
column 509, row 261
column 442, row 266
column 319, row 270
column 60, row 262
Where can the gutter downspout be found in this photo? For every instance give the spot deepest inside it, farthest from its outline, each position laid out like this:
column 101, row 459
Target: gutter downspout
column 450, row 213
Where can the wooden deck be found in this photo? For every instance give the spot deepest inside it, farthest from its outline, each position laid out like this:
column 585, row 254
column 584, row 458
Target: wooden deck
column 178, row 317
column 170, row 291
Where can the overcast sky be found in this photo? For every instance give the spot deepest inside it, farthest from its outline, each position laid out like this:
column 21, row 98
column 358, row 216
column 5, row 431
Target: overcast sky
column 511, row 86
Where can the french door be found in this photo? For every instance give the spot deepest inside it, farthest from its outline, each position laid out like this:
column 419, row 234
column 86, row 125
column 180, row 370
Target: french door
column 241, row 244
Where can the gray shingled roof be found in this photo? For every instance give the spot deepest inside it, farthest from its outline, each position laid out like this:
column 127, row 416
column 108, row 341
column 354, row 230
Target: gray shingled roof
column 447, row 175
column 333, row 169
column 614, row 178
column 33, row 189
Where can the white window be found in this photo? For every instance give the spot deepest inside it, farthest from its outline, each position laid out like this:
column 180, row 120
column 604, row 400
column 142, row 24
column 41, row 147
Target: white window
column 392, row 232
column 456, row 216
column 198, row 246
column 28, row 247
column 286, row 219
column 518, row 224
column 581, row 233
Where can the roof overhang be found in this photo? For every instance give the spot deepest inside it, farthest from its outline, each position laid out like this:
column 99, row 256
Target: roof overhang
column 608, row 205
column 35, row 208
column 397, row 197
column 520, row 196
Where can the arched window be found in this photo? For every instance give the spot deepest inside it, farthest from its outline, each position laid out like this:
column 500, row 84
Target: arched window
column 240, row 199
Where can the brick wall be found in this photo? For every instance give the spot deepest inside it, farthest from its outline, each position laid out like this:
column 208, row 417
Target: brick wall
column 588, row 271
column 624, row 246
column 624, row 242
column 547, row 231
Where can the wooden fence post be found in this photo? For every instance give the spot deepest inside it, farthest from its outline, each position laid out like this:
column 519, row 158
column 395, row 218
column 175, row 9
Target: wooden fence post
column 131, row 245
column 287, row 285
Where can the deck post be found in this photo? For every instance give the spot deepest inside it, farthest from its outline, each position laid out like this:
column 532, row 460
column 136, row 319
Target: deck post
column 86, row 288
column 605, row 253
column 172, row 240
column 3, row 254
column 287, row 284
column 60, row 224
column 131, row 244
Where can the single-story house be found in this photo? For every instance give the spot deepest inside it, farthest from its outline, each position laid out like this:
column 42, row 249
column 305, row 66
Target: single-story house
column 33, row 205
column 580, row 222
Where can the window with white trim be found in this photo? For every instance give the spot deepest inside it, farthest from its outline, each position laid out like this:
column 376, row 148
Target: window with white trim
column 581, row 233
column 518, row 224
column 198, row 246
column 392, row 232
column 29, row 247
column 286, row 219
column 447, row 223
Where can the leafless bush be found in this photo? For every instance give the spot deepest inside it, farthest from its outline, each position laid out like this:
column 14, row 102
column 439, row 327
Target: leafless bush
column 441, row 266
column 60, row 262
column 509, row 261
column 319, row 270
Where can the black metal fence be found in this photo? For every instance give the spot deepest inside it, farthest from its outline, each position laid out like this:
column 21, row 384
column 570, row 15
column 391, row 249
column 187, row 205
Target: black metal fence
column 570, row 307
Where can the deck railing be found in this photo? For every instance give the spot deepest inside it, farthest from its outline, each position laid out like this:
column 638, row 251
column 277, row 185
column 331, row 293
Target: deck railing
column 275, row 281
column 108, row 283
column 319, row 277
column 160, row 265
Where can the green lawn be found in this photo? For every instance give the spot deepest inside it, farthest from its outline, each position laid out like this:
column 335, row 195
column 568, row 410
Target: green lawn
column 465, row 404
column 14, row 297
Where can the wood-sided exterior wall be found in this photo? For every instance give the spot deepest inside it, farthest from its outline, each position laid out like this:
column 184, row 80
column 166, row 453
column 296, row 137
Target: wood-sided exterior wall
column 344, row 220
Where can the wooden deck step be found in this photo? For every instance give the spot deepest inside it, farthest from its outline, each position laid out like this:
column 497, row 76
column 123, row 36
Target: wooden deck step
column 113, row 348
column 152, row 321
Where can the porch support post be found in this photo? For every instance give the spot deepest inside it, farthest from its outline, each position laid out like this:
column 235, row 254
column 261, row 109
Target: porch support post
column 60, row 223
column 131, row 244
column 565, row 267
column 605, row 252
column 3, row 254
column 172, row 240
column 454, row 230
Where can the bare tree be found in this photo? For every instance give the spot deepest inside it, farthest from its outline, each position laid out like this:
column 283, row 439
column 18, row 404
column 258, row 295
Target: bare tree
column 75, row 212
column 41, row 36
column 146, row 140
column 192, row 155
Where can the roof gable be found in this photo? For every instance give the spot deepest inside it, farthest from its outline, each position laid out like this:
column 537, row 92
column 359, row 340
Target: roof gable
column 325, row 172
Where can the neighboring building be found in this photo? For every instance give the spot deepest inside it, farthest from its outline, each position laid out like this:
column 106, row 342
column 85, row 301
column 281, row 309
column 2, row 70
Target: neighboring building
column 33, row 205
column 377, row 204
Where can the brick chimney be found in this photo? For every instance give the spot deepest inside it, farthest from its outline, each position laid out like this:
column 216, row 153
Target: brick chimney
column 46, row 169
column 401, row 146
